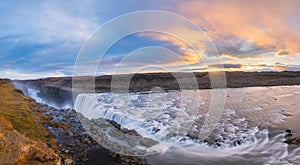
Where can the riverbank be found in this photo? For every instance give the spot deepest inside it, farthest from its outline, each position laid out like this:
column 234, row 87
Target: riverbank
column 45, row 135
column 75, row 142
column 23, row 137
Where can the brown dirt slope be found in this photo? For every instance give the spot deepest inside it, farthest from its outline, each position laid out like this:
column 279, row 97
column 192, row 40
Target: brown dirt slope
column 23, row 138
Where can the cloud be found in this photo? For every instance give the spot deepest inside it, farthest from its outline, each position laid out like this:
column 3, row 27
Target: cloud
column 293, row 67
column 187, row 46
column 268, row 24
column 282, row 53
column 45, row 36
column 282, row 67
column 47, row 21
column 15, row 74
column 44, row 32
column 59, row 25
column 238, row 48
column 226, row 66
column 279, row 67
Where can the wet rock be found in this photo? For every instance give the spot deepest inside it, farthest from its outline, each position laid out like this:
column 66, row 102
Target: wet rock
column 147, row 142
column 115, row 124
column 68, row 162
column 193, row 133
column 124, row 130
column 297, row 140
column 293, row 141
column 155, row 130
column 238, row 142
column 75, row 141
column 71, row 144
column 129, row 131
column 66, row 151
column 288, row 133
column 71, row 134
column 132, row 160
column 85, row 159
column 86, row 140
column 209, row 142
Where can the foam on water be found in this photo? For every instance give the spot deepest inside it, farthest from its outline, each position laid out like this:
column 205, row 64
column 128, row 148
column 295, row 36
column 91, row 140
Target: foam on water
column 155, row 115
column 242, row 133
column 262, row 151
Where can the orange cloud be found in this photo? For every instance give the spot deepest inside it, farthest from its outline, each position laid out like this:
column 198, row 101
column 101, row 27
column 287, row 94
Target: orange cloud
column 244, row 32
column 279, row 67
column 188, row 53
column 282, row 53
column 270, row 24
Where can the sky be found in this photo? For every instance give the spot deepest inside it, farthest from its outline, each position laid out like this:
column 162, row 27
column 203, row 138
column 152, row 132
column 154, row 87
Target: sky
column 43, row 38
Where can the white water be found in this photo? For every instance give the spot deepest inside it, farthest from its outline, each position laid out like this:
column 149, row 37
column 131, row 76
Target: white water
column 33, row 93
column 242, row 132
column 155, row 115
column 262, row 151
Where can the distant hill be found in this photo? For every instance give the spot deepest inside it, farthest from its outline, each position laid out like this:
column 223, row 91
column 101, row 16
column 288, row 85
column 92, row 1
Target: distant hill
column 59, row 89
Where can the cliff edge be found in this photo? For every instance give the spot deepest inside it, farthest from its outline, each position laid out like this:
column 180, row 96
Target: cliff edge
column 23, row 137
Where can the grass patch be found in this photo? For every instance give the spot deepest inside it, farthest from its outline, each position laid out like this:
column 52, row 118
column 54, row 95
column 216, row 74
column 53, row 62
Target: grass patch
column 23, row 137
column 24, row 114
column 60, row 125
column 17, row 149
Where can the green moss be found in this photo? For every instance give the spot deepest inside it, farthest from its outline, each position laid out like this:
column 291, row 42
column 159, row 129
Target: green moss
column 23, row 113
column 23, row 137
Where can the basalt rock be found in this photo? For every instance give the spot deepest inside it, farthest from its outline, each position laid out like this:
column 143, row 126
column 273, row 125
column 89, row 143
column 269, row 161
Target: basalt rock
column 293, row 141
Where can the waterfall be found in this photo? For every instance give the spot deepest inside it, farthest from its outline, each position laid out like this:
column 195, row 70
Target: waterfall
column 155, row 115
column 33, row 93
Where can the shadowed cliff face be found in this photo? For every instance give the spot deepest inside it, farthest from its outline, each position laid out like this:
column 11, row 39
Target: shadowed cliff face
column 47, row 91
column 57, row 96
column 58, row 91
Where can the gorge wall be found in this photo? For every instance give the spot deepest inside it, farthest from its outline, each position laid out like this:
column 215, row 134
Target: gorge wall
column 58, row 91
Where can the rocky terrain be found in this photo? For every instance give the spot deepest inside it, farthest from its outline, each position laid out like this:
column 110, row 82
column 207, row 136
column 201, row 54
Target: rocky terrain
column 32, row 133
column 61, row 131
column 23, row 137
column 75, row 142
column 291, row 139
